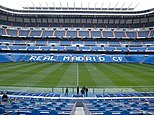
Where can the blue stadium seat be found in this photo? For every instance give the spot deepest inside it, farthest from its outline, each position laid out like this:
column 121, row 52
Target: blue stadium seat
column 125, row 112
column 89, row 42
column 108, row 34
column 53, row 112
column 71, row 48
column 66, row 42
column 152, row 34
column 107, row 113
column 41, row 42
column 35, row 112
column 96, row 34
column 84, row 34
column 94, row 48
column 77, row 42
column 35, row 33
column 47, row 33
column 143, row 34
column 131, row 34
column 18, row 47
column 119, row 34
column 71, row 34
column 15, row 106
column 24, row 33
column 2, row 32
column 109, row 48
column 59, row 33
column 44, row 107
column 3, row 47
column 2, row 110
column 45, row 47
column 12, row 32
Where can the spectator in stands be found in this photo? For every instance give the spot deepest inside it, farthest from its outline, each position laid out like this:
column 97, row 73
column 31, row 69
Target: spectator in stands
column 86, row 91
column 84, row 88
column 4, row 97
column 12, row 99
column 77, row 90
column 66, row 91
column 82, row 91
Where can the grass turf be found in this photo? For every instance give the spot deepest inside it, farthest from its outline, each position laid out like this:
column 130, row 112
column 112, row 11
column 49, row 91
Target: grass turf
column 73, row 74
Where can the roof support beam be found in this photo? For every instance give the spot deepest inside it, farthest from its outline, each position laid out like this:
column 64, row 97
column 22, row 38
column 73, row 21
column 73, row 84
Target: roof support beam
column 136, row 5
column 116, row 6
column 102, row 5
column 81, row 5
column 40, row 5
column 122, row 6
column 67, row 5
column 60, row 5
column 129, row 6
column 47, row 5
column 95, row 5
column 74, row 5
column 109, row 6
column 88, row 5
column 33, row 5
column 54, row 5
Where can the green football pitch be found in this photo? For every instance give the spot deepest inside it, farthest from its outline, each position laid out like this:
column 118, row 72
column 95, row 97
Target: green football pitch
column 73, row 74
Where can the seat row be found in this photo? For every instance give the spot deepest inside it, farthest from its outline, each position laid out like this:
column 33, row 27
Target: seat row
column 77, row 48
column 42, row 106
column 78, row 33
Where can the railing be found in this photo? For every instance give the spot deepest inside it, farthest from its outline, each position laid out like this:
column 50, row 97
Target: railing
column 111, row 89
column 86, row 111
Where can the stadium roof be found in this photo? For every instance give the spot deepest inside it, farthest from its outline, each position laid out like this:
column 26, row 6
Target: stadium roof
column 118, row 5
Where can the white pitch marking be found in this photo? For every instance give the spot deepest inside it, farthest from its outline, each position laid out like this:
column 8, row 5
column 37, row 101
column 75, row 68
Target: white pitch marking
column 77, row 74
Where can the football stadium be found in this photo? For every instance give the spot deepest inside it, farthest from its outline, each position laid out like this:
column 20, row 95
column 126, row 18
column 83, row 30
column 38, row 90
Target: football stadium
column 91, row 57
